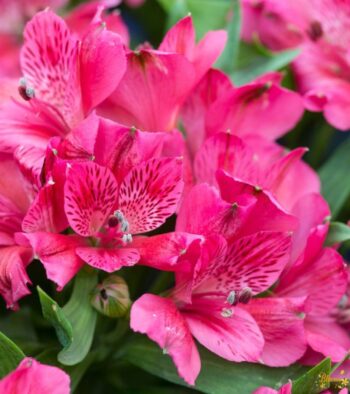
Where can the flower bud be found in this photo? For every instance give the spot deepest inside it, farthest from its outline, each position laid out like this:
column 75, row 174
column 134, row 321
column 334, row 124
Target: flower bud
column 111, row 297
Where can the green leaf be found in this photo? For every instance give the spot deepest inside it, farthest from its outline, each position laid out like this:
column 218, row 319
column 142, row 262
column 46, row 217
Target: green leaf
column 207, row 14
column 334, row 175
column 82, row 317
column 217, row 376
column 228, row 59
column 338, row 233
column 315, row 380
column 55, row 315
column 255, row 60
column 10, row 355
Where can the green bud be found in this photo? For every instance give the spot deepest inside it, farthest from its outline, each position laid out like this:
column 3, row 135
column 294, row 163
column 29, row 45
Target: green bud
column 111, row 297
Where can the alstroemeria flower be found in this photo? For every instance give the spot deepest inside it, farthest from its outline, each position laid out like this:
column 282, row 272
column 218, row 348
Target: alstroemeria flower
column 322, row 68
column 169, row 74
column 33, row 377
column 105, row 215
column 15, row 199
column 64, row 80
column 206, row 302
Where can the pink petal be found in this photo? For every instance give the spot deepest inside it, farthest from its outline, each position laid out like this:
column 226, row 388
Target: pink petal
column 49, row 61
column 57, row 254
column 79, row 19
column 229, row 153
column 108, row 260
column 323, row 280
column 32, row 377
column 327, row 337
column 30, row 124
column 260, row 107
column 30, row 161
column 152, row 90
column 282, row 325
column 202, row 211
column 13, row 276
column 235, row 338
column 46, row 213
column 162, row 322
column 12, row 184
column 164, row 251
column 255, row 261
column 180, row 39
column 261, row 212
column 312, row 211
column 102, row 65
column 212, row 86
column 91, row 193
column 121, row 148
column 150, row 193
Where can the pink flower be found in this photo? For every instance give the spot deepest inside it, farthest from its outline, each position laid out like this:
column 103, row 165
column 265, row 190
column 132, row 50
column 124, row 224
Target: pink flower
column 32, row 377
column 322, row 68
column 71, row 79
column 169, row 74
column 214, row 282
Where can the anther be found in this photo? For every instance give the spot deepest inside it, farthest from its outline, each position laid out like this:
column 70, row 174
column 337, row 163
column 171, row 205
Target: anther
column 113, row 221
column 232, row 298
column 315, row 31
column 226, row 312
column 118, row 214
column 124, row 226
column 127, row 238
column 245, row 295
column 25, row 91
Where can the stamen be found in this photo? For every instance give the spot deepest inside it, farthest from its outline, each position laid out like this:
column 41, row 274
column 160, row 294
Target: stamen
column 127, row 238
column 245, row 295
column 119, row 215
column 226, row 312
column 25, row 91
column 124, row 226
column 232, row 298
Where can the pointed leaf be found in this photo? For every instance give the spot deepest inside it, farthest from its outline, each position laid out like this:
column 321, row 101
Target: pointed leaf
column 55, row 315
column 254, row 62
column 10, row 355
column 315, row 380
column 82, row 317
column 334, row 176
column 217, row 375
column 228, row 58
column 338, row 233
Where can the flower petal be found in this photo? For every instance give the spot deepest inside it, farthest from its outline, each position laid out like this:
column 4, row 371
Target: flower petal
column 91, row 193
column 32, row 377
column 57, row 254
column 282, row 326
column 162, row 322
column 13, row 276
column 150, row 193
column 235, row 338
column 49, row 60
column 108, row 260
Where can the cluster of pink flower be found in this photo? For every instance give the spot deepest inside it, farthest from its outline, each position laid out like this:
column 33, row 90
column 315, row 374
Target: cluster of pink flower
column 92, row 161
column 321, row 30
